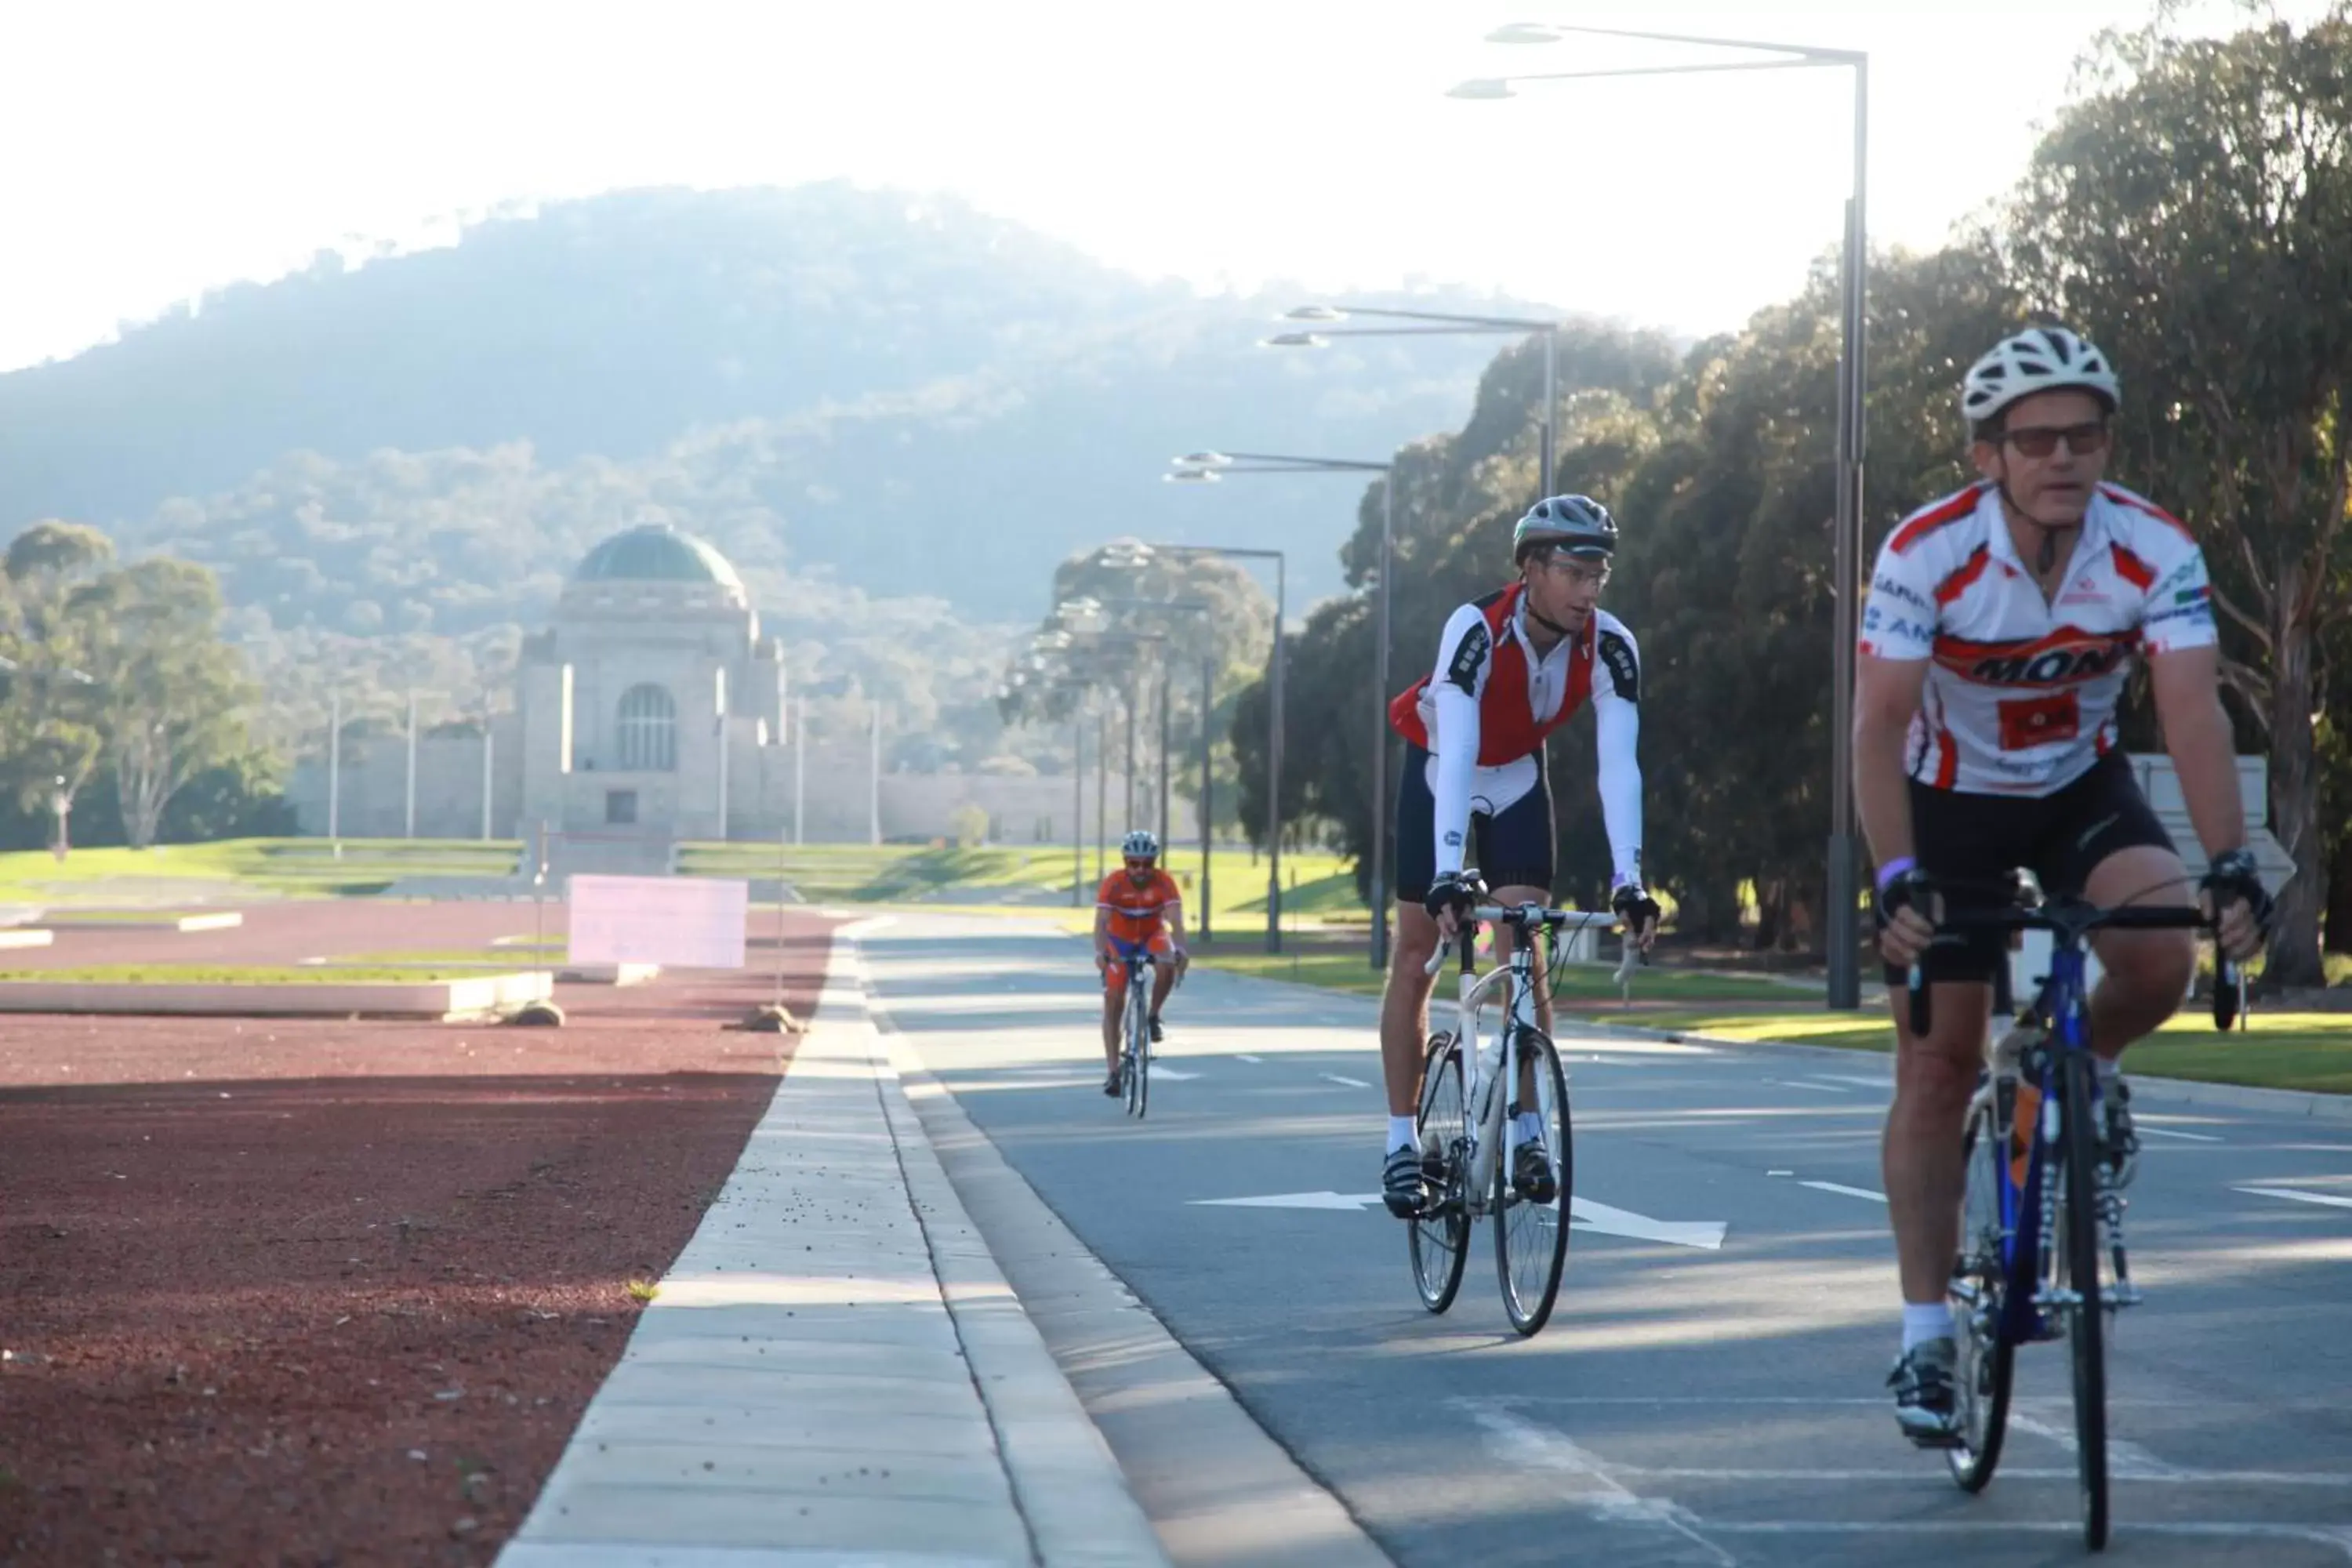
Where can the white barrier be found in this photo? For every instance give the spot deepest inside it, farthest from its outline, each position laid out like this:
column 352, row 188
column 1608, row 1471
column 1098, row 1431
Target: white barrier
column 686, row 922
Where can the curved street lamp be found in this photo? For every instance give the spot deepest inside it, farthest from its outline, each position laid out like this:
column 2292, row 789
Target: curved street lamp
column 1844, row 988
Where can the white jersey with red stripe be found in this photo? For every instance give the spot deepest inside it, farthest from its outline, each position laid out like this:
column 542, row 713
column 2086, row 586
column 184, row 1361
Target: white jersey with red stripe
column 2021, row 697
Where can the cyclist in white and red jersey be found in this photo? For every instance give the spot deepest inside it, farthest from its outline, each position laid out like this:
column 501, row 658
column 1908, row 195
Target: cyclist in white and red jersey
column 2001, row 626
column 1511, row 667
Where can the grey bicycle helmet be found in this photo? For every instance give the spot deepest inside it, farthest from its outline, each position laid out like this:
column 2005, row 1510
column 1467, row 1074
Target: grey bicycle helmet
column 1578, row 524
column 1140, row 844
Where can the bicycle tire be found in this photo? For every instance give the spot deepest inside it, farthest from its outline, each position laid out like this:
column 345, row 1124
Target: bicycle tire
column 1138, row 1049
column 1530, row 1282
column 1987, row 1366
column 2085, row 1334
column 1438, row 1239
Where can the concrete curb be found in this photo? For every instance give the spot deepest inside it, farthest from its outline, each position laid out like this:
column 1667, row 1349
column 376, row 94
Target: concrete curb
column 1218, row 1487
column 1068, row 1485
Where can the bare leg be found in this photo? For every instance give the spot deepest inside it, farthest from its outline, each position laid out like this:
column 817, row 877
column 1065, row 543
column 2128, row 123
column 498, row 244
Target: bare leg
column 1921, row 1153
column 1404, row 1007
column 1163, row 981
column 2147, row 971
column 1113, row 1000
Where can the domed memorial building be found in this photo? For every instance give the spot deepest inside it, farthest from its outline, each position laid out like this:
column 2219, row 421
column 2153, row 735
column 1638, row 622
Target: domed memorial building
column 650, row 711
column 636, row 700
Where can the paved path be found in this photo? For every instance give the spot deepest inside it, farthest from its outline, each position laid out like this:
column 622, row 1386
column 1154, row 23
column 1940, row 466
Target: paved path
column 1688, row 1404
column 834, row 1371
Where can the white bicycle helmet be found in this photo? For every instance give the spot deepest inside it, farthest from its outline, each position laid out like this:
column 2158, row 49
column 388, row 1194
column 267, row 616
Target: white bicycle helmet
column 2039, row 359
column 1140, row 844
column 1578, row 524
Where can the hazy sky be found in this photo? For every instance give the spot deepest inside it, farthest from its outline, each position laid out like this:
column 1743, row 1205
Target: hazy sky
column 158, row 150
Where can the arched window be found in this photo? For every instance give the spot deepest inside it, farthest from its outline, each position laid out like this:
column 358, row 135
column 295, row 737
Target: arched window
column 648, row 731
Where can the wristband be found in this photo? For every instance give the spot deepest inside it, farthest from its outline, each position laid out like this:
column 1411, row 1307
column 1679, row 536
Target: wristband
column 1894, row 868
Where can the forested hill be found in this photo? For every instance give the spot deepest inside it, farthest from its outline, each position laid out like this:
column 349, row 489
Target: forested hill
column 896, row 391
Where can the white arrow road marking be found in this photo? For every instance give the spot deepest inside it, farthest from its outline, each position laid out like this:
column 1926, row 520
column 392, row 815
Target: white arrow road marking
column 1294, row 1201
column 1842, row 1187
column 1583, row 1215
column 2296, row 1195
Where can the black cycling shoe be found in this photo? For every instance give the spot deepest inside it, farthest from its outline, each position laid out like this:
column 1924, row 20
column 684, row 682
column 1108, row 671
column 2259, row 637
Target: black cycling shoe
column 1531, row 1175
column 1402, row 1182
column 1925, row 1405
column 1112, row 1086
column 2119, row 1141
column 1158, row 1034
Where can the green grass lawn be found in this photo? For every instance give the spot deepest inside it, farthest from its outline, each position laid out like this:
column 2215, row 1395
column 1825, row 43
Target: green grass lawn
column 234, row 975
column 283, row 868
column 2310, row 1051
column 521, row 956
column 1317, row 887
column 1579, row 984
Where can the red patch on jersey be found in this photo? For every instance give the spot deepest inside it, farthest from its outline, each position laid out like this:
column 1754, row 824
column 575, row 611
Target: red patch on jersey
column 2030, row 722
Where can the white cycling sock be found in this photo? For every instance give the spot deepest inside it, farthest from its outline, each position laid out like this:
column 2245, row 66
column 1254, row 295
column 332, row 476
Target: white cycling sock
column 1400, row 1134
column 1923, row 1321
column 1527, row 1127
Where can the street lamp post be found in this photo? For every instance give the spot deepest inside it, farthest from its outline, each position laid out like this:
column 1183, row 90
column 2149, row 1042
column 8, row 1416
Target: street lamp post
column 1209, row 467
column 1444, row 326
column 1844, row 990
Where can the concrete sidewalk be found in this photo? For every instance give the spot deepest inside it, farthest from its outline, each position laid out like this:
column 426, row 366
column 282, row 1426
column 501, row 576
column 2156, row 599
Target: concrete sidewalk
column 834, row 1371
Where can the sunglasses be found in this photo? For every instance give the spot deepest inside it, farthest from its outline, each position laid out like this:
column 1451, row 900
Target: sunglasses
column 2042, row 440
column 1141, row 864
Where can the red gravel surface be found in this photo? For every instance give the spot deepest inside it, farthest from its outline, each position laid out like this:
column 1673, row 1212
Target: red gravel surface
column 311, row 1292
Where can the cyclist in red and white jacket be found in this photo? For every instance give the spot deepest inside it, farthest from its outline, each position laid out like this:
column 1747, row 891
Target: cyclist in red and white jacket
column 2001, row 626
column 1511, row 667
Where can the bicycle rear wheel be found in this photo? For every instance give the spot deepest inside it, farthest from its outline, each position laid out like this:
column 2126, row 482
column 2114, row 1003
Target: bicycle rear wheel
column 1988, row 1357
column 1531, row 1233
column 1138, row 1047
column 1438, row 1239
column 2079, row 1257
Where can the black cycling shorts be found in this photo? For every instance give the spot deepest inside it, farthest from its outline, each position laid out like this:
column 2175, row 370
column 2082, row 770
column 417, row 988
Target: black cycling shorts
column 1969, row 844
column 1513, row 847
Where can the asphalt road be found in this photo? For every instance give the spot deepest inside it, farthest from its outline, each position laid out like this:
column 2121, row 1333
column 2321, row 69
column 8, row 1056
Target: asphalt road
column 1687, row 1405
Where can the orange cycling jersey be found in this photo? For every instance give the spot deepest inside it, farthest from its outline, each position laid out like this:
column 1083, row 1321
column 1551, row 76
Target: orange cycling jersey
column 1136, row 911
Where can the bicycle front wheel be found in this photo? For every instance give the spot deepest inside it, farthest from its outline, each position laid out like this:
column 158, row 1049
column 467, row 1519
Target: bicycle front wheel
column 1988, row 1357
column 2078, row 1256
column 1439, row 1237
column 1530, row 1217
column 1138, row 1049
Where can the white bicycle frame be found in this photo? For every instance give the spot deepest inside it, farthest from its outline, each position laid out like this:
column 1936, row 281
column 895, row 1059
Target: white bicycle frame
column 1486, row 1125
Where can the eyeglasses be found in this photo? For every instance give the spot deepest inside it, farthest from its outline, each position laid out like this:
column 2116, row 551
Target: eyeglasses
column 2042, row 440
column 1578, row 569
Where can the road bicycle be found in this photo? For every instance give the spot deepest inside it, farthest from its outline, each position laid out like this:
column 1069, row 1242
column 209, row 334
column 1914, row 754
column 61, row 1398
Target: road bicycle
column 1135, row 1028
column 1470, row 1168
column 2042, row 1209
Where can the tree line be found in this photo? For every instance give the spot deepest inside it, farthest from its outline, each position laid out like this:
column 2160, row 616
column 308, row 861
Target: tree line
column 2190, row 210
column 115, row 683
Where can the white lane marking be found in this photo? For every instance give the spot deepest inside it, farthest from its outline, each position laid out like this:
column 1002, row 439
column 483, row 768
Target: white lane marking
column 2296, row 1195
column 1878, row 1083
column 2147, row 1132
column 1349, row 1082
column 2124, row 1460
column 1517, row 1440
column 1780, row 1173
column 1849, row 1192
column 2070, row 1476
column 1172, row 1076
column 2337, row 1536
column 1707, row 1236
column 1817, row 1088
column 1245, row 1057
